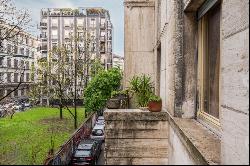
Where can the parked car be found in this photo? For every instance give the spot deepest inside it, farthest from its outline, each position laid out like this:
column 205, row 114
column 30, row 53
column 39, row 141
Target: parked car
column 100, row 120
column 17, row 108
column 98, row 133
column 87, row 152
column 26, row 104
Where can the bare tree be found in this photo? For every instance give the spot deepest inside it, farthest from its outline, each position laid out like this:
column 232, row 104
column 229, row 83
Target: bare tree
column 13, row 22
column 66, row 70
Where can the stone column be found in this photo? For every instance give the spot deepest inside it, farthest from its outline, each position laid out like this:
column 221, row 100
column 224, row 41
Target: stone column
column 139, row 38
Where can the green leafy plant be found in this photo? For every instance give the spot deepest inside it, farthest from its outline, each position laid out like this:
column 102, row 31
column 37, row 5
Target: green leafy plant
column 100, row 88
column 142, row 88
column 118, row 93
column 155, row 98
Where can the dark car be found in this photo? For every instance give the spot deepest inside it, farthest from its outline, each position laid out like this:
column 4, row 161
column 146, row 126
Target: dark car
column 87, row 153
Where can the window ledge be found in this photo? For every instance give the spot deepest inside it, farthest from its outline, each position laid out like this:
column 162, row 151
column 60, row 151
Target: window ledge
column 202, row 144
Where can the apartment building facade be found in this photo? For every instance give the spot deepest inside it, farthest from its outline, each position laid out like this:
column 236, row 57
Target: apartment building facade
column 66, row 27
column 118, row 61
column 59, row 24
column 197, row 54
column 17, row 64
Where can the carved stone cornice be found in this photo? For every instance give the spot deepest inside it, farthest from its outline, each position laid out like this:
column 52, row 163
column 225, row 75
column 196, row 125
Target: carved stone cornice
column 136, row 3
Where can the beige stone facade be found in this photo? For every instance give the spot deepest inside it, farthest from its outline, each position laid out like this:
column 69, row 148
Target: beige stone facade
column 162, row 40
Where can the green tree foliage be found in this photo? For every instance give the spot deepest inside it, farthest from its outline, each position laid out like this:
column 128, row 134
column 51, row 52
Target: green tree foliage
column 100, row 88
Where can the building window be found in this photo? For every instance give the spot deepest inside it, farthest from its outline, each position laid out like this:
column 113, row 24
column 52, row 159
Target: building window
column 54, row 34
column 22, row 51
column 22, row 77
column 2, row 92
column 80, row 22
column 15, row 63
column 27, row 52
column 92, row 23
column 22, row 92
column 102, row 47
column 8, row 48
column 8, row 77
column 27, row 77
column 209, row 64
column 68, row 22
column 1, row 61
column 1, row 78
column 16, row 77
column 27, row 64
column 67, row 34
column 54, row 22
column 31, row 42
column 22, row 64
column 16, row 50
column 16, row 93
column 27, row 40
column 9, row 62
column 103, row 22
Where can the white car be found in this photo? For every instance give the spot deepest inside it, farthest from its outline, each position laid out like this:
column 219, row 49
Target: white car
column 100, row 121
column 26, row 104
column 17, row 108
column 98, row 133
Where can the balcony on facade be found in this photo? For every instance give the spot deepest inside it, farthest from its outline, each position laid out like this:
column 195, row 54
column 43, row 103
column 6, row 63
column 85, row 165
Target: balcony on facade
column 43, row 25
column 43, row 36
column 102, row 48
column 103, row 26
column 102, row 38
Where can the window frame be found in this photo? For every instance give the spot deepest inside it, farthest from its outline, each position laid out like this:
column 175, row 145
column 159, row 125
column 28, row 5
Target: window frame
column 203, row 116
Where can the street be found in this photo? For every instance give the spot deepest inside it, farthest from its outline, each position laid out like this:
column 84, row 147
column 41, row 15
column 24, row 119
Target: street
column 101, row 157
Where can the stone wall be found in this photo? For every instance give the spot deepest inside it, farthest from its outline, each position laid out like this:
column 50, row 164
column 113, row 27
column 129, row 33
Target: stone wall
column 139, row 41
column 178, row 153
column 234, row 94
column 175, row 53
column 170, row 38
column 136, row 137
column 178, row 81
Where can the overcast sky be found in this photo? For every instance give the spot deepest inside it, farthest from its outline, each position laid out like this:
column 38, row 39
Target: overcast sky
column 114, row 6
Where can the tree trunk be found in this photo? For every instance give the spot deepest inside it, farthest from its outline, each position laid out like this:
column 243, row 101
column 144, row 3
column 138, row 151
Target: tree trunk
column 61, row 115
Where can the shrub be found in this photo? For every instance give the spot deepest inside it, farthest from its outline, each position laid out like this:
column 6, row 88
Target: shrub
column 100, row 88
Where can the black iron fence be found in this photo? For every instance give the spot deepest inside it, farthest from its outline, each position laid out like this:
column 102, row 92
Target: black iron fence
column 63, row 155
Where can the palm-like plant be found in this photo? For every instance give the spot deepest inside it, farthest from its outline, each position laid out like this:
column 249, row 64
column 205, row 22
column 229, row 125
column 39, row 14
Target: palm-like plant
column 142, row 88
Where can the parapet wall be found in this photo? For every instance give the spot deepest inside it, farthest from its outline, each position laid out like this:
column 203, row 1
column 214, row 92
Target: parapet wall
column 136, row 137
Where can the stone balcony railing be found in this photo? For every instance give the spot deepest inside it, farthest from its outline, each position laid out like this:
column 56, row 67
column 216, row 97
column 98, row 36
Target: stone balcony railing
column 136, row 137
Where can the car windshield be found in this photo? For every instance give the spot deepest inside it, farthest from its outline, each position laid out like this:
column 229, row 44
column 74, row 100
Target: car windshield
column 82, row 153
column 97, row 132
column 100, row 122
column 100, row 118
column 84, row 146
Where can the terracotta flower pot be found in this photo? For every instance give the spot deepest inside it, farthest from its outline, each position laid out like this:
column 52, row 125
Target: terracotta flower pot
column 155, row 106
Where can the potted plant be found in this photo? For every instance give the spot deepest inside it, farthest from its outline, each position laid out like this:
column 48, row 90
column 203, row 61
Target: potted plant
column 115, row 101
column 155, row 103
column 142, row 88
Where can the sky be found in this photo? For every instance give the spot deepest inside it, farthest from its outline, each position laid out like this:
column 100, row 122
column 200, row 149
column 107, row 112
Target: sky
column 115, row 8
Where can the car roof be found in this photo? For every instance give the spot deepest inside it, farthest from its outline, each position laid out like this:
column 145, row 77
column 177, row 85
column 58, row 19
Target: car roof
column 87, row 141
column 98, row 127
column 85, row 146
column 101, row 117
